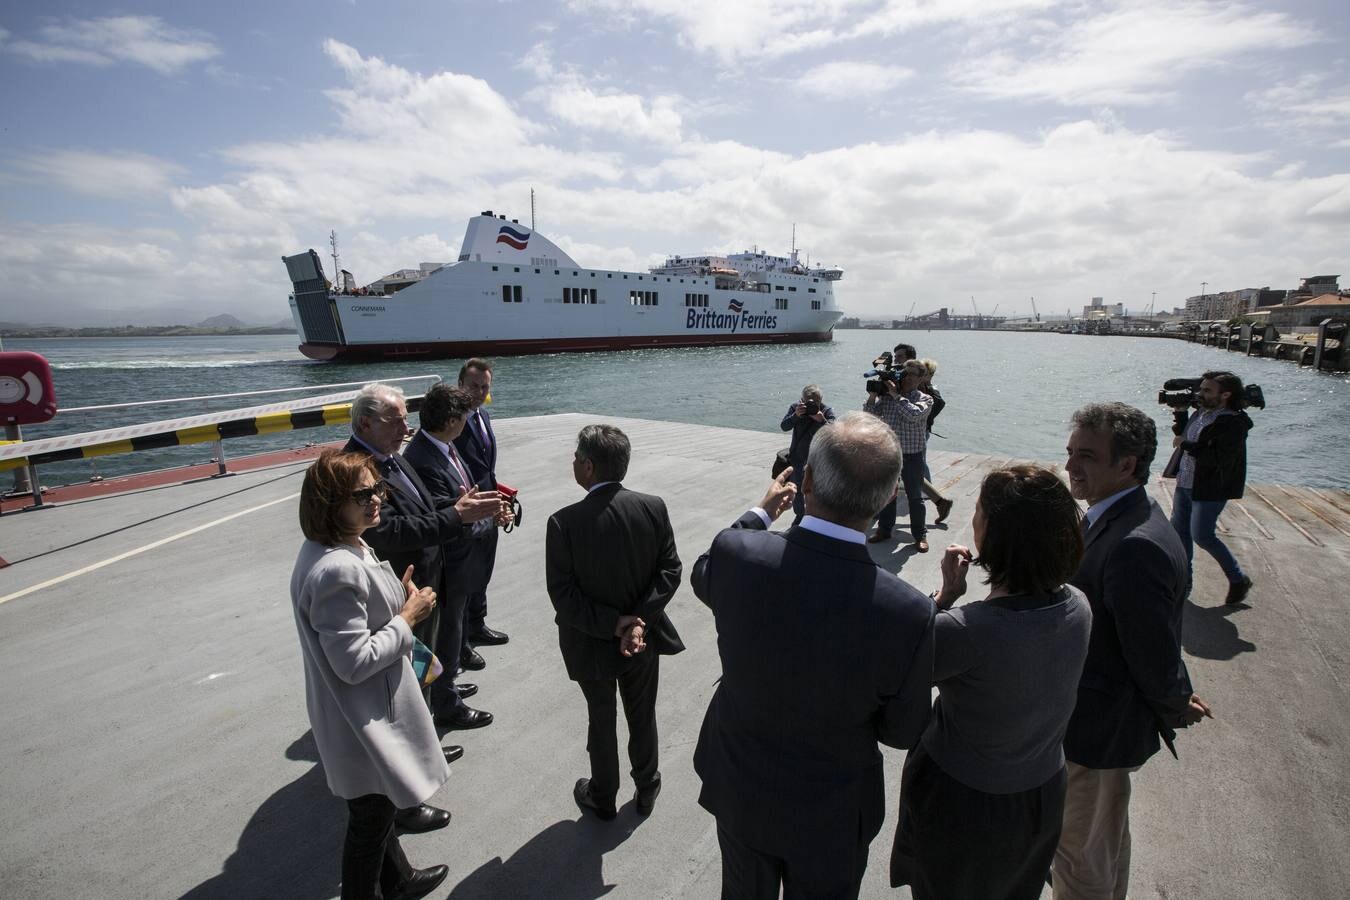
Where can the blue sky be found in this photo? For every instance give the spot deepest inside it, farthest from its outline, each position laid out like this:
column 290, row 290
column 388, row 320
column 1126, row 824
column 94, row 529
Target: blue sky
column 158, row 159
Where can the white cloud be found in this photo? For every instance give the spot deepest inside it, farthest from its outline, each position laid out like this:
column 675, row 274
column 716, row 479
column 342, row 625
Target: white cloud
column 143, row 40
column 764, row 29
column 847, row 80
column 122, row 175
column 1305, row 102
column 1131, row 53
column 626, row 115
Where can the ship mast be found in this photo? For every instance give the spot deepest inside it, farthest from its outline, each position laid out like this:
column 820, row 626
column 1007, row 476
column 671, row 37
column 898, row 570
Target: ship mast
column 337, row 272
column 532, row 209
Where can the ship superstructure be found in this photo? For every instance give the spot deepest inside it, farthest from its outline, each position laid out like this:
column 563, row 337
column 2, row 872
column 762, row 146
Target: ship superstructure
column 513, row 291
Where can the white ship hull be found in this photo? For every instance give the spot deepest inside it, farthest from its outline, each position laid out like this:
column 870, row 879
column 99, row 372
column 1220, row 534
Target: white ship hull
column 516, row 293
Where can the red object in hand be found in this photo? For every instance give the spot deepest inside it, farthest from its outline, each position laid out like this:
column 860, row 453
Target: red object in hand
column 508, row 493
column 27, row 395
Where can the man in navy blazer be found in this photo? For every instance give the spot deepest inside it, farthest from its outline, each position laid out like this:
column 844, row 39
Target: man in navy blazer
column 477, row 446
column 433, row 454
column 788, row 758
column 1135, row 688
column 611, row 567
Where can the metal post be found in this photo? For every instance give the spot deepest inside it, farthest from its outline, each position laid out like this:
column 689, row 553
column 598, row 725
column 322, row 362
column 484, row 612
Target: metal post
column 22, row 482
column 220, row 458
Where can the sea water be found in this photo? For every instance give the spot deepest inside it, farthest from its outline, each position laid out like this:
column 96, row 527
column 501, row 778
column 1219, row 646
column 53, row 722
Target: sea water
column 1009, row 394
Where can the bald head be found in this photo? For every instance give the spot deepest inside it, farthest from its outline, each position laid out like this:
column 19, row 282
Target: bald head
column 852, row 468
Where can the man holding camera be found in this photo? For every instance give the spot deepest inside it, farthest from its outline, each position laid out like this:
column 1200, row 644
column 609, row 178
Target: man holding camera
column 804, row 419
column 902, row 406
column 1212, row 471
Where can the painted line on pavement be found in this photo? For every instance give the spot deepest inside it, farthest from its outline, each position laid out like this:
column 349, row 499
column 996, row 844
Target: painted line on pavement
column 139, row 550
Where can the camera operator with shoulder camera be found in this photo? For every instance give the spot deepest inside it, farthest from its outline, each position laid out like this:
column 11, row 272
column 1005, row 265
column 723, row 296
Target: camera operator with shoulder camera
column 1212, row 456
column 804, row 419
column 895, row 398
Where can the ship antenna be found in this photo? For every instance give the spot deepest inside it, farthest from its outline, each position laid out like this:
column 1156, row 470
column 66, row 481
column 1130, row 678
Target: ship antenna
column 532, row 209
column 337, row 273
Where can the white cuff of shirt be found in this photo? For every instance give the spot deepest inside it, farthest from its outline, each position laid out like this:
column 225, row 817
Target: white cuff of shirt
column 763, row 516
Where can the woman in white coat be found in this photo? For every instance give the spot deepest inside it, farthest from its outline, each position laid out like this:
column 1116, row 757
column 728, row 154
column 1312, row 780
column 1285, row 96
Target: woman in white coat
column 375, row 736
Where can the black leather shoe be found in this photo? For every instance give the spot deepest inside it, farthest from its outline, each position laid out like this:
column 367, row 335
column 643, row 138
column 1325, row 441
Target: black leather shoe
column 646, row 797
column 470, row 659
column 585, row 802
column 453, row 752
column 1237, row 593
column 465, row 718
column 466, row 690
column 486, row 635
column 421, row 818
column 422, row 882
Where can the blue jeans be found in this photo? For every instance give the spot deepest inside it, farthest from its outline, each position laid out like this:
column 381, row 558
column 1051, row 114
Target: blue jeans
column 1194, row 522
column 911, row 475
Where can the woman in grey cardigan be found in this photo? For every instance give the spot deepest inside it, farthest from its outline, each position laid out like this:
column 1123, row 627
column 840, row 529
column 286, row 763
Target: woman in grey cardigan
column 982, row 795
column 374, row 733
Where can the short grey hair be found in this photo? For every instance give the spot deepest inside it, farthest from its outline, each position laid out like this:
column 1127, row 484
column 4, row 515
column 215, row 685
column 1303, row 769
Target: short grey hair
column 1133, row 432
column 813, row 390
column 854, row 465
column 608, row 450
column 374, row 400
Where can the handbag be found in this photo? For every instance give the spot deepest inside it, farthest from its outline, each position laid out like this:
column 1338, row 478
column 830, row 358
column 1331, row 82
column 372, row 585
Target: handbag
column 425, row 664
column 780, row 462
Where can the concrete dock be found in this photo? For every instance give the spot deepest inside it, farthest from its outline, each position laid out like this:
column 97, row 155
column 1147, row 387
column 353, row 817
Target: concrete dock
column 155, row 740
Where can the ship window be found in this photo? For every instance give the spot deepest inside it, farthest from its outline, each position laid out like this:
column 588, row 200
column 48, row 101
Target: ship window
column 567, row 295
column 494, row 268
column 592, row 274
column 777, row 287
column 574, row 273
column 815, row 279
column 815, row 304
column 609, row 274
column 536, row 271
column 780, row 303
column 625, row 278
column 506, row 293
column 516, row 292
column 517, row 268
column 792, row 290
column 810, row 290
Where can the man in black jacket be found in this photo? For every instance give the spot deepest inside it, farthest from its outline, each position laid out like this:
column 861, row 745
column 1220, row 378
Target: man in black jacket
column 1212, row 471
column 433, row 454
column 1135, row 687
column 788, row 759
column 804, row 418
column 611, row 568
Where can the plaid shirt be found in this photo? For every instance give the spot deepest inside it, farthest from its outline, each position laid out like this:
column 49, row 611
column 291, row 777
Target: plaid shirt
column 907, row 416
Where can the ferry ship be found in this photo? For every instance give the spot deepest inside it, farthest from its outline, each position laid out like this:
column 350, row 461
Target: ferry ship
column 513, row 291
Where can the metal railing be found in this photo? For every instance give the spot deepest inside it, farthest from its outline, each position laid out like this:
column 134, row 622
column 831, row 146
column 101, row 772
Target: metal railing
column 304, row 412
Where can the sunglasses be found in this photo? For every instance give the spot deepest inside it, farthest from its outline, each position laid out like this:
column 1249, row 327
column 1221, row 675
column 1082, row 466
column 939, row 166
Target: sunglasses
column 363, row 496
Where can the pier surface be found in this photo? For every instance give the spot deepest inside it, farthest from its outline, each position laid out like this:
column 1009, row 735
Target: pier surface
column 155, row 740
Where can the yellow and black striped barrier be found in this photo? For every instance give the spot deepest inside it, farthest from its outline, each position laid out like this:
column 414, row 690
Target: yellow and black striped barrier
column 50, row 450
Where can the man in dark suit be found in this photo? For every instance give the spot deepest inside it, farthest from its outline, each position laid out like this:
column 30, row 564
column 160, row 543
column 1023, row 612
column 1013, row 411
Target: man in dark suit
column 1135, row 687
column 477, row 446
column 434, row 457
column 413, row 526
column 611, row 568
column 788, row 758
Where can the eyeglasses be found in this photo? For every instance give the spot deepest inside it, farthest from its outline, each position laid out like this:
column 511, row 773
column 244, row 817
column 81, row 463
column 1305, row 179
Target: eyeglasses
column 363, row 496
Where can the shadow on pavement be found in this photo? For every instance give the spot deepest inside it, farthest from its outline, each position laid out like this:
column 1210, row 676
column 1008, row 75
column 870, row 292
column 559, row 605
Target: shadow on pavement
column 292, row 846
column 1207, row 632
column 562, row 862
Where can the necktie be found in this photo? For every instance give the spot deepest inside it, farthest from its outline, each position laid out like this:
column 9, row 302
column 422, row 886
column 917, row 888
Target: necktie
column 459, row 468
column 482, row 428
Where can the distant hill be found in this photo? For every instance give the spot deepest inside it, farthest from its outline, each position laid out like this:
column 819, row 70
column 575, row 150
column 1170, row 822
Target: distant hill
column 224, row 320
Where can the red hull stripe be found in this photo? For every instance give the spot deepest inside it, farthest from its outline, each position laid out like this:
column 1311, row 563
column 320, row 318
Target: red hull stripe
column 458, row 349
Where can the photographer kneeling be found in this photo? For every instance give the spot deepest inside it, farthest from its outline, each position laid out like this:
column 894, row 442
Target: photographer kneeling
column 905, row 409
column 1213, row 470
column 804, row 419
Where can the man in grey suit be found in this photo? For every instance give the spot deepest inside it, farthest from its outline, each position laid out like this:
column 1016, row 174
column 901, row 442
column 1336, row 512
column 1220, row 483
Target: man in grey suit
column 1135, row 687
column 789, row 760
column 611, row 568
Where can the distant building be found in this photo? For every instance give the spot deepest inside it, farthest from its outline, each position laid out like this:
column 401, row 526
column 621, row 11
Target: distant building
column 849, row 322
column 1310, row 312
column 1101, row 310
column 1222, row 305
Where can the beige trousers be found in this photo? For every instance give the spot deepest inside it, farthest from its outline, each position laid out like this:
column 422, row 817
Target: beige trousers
column 1092, row 861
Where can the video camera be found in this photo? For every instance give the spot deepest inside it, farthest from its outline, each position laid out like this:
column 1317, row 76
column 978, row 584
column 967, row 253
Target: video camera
column 1183, row 393
column 883, row 370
